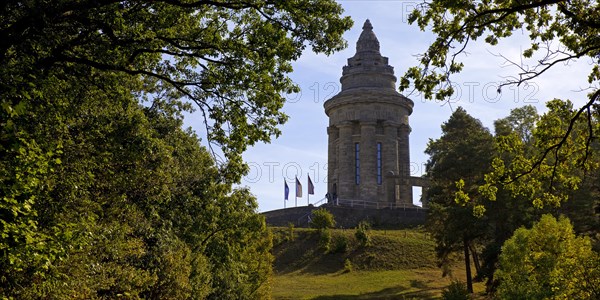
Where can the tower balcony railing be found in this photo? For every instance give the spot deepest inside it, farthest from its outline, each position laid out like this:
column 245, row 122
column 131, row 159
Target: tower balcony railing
column 320, row 202
column 375, row 204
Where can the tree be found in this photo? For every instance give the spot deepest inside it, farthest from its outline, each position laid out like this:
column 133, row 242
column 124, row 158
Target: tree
column 229, row 58
column 507, row 211
column 574, row 24
column 103, row 194
column 564, row 182
column 134, row 208
column 521, row 121
column 521, row 138
column 458, row 160
column 548, row 262
column 559, row 165
column 509, row 202
column 539, row 170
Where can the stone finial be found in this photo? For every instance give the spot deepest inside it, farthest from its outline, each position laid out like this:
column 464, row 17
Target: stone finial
column 367, row 40
column 367, row 25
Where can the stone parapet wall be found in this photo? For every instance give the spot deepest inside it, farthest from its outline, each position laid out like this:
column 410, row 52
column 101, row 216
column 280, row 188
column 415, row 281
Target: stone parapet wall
column 348, row 217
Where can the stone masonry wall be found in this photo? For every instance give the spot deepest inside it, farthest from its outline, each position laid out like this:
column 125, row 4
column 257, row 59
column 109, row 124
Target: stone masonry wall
column 347, row 217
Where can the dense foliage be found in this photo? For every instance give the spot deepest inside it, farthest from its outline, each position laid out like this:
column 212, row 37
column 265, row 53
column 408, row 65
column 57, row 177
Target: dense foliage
column 540, row 164
column 128, row 204
column 102, row 193
column 230, row 58
column 322, row 219
column 548, row 261
column 485, row 205
column 458, row 160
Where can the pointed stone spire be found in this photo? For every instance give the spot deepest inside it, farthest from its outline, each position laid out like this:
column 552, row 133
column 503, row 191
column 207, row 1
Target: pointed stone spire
column 368, row 68
column 367, row 40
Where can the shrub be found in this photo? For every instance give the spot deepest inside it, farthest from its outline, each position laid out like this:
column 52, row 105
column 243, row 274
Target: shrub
column 362, row 233
column 340, row 243
column 278, row 237
column 548, row 261
column 325, row 240
column 290, row 229
column 322, row 219
column 457, row 290
column 348, row 267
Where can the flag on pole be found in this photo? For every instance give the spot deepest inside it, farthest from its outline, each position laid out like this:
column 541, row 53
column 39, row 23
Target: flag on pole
column 311, row 187
column 286, row 190
column 298, row 188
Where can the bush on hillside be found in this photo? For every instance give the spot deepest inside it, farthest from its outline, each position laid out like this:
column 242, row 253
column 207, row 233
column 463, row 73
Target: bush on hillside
column 322, row 219
column 348, row 267
column 340, row 243
column 362, row 233
column 325, row 240
column 457, row 290
column 290, row 232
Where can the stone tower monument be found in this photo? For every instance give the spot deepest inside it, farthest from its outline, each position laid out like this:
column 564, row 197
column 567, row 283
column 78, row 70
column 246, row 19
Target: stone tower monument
column 368, row 155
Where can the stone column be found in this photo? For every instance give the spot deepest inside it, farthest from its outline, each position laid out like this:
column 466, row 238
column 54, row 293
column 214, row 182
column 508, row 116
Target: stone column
column 389, row 154
column 368, row 161
column 390, row 189
column 405, row 189
column 345, row 163
column 332, row 134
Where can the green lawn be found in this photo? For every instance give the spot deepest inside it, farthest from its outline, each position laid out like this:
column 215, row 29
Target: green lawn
column 399, row 264
column 397, row 284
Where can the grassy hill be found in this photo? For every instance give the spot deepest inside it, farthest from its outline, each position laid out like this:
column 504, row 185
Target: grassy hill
column 398, row 264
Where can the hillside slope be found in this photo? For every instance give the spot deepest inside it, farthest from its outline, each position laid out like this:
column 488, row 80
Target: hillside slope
column 389, row 250
column 398, row 264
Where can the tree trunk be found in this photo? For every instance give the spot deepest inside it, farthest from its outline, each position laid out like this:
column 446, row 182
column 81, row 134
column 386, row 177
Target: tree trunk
column 475, row 260
column 468, row 265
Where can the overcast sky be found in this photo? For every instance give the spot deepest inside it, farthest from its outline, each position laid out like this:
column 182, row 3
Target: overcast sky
column 302, row 148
